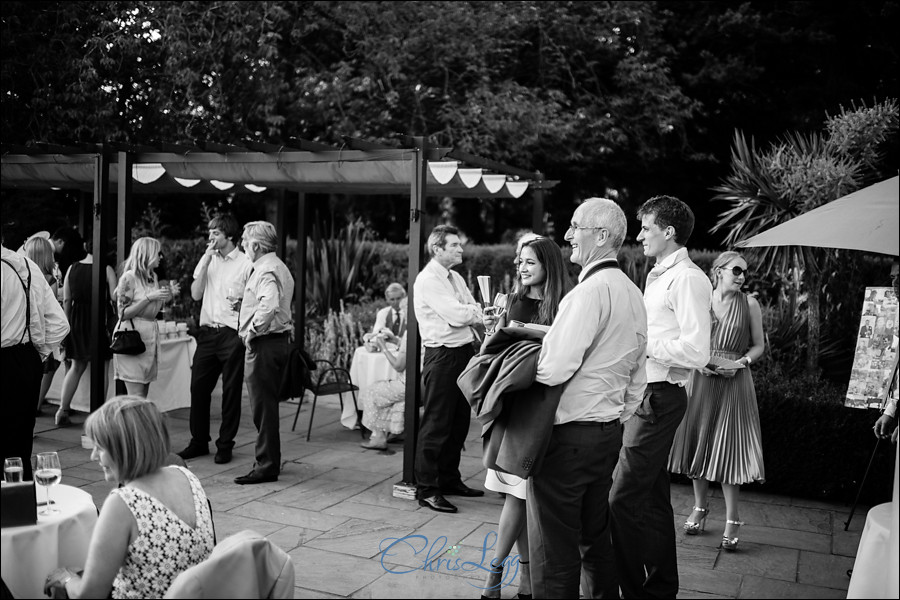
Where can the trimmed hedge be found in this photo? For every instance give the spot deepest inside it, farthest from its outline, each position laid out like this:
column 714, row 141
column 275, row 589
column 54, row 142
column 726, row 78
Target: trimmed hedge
column 815, row 447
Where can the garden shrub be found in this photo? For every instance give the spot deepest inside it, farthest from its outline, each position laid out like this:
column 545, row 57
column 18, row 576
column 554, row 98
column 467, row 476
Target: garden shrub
column 813, row 446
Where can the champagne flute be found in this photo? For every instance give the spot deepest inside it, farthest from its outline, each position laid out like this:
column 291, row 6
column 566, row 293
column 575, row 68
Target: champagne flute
column 498, row 308
column 13, row 470
column 163, row 284
column 48, row 474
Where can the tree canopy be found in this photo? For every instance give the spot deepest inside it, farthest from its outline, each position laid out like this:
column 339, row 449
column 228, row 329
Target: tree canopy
column 626, row 99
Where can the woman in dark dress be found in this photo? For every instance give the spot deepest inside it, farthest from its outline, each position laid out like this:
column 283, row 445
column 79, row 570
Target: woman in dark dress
column 77, row 294
column 541, row 282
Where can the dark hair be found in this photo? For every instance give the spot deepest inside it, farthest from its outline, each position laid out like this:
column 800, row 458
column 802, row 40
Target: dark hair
column 670, row 211
column 227, row 224
column 72, row 247
column 438, row 236
column 556, row 283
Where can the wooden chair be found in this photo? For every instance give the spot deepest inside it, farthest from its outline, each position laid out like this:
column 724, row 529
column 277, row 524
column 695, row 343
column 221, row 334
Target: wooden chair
column 331, row 380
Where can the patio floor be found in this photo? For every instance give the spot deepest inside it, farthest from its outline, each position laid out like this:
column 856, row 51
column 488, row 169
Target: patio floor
column 332, row 510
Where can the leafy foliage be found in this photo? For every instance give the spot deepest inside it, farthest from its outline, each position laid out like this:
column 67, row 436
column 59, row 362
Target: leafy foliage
column 334, row 266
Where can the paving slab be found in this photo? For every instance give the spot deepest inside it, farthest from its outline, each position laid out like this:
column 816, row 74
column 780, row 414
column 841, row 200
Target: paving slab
column 764, row 561
column 762, row 587
column 825, row 570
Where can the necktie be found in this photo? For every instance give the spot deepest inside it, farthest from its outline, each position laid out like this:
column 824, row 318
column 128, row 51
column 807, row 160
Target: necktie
column 456, row 291
column 654, row 274
column 395, row 326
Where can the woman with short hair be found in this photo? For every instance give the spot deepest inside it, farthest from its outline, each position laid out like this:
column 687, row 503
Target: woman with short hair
column 153, row 527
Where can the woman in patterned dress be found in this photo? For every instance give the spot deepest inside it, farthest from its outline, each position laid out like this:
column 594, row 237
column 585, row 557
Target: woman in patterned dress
column 383, row 401
column 719, row 438
column 139, row 300
column 153, row 527
column 541, row 282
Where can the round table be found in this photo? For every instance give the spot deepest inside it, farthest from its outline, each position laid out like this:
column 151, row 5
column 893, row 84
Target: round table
column 30, row 552
column 365, row 369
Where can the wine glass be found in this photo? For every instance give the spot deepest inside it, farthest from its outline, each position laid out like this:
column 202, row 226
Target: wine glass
column 48, row 474
column 13, row 470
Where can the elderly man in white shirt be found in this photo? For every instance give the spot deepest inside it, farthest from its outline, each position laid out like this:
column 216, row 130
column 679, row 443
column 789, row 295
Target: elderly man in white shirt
column 33, row 326
column 596, row 350
column 446, row 312
column 678, row 297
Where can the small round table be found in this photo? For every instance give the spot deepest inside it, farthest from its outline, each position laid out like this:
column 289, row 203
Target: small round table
column 30, row 552
column 365, row 369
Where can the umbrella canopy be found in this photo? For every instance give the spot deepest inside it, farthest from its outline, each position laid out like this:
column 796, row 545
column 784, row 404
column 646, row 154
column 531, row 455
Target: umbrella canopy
column 868, row 219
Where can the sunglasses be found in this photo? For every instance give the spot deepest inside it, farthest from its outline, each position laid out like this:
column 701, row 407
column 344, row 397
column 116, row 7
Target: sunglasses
column 737, row 271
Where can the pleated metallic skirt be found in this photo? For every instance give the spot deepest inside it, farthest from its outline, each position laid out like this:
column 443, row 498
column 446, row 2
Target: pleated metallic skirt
column 719, row 438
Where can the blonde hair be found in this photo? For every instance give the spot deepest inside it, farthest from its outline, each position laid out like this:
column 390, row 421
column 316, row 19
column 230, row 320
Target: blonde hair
column 143, row 251
column 722, row 260
column 133, row 433
column 40, row 251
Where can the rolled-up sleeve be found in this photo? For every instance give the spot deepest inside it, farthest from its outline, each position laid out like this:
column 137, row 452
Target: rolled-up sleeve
column 268, row 294
column 447, row 307
column 689, row 298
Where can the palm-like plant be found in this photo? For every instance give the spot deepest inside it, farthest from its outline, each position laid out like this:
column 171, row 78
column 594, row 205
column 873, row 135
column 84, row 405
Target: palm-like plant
column 793, row 176
column 334, row 265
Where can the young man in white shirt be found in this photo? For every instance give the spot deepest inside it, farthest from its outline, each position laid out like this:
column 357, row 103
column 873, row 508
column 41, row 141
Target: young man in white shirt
column 222, row 269
column 678, row 297
column 445, row 311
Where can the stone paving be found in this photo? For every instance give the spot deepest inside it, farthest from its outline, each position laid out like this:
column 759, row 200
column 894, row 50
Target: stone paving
column 333, row 511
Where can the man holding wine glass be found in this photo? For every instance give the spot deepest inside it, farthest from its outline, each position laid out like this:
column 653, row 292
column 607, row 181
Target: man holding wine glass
column 446, row 312
column 219, row 280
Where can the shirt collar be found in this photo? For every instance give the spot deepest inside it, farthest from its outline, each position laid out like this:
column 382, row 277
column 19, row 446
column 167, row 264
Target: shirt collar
column 440, row 269
column 672, row 259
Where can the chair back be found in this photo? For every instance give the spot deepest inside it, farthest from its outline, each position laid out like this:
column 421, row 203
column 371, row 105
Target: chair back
column 244, row 565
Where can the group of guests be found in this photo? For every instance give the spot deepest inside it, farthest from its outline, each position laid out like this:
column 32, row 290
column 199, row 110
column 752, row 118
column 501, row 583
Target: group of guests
column 642, row 385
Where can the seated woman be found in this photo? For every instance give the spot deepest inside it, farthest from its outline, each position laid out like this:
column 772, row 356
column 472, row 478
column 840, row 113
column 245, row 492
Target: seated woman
column 383, row 401
column 153, row 527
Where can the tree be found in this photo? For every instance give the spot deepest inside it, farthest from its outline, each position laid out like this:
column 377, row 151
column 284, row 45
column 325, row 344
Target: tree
column 790, row 177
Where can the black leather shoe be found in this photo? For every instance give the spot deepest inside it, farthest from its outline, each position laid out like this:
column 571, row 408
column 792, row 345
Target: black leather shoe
column 254, row 477
column 193, row 452
column 462, row 490
column 438, row 503
column 223, row 455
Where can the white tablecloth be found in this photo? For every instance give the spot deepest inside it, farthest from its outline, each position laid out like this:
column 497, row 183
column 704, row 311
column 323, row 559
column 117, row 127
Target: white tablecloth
column 171, row 390
column 875, row 572
column 30, row 552
column 365, row 369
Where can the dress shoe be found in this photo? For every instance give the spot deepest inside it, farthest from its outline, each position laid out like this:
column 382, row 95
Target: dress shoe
column 462, row 490
column 438, row 503
column 254, row 477
column 223, row 455
column 193, row 452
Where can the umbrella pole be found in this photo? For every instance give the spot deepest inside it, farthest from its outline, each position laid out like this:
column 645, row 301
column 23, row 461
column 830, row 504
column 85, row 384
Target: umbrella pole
column 861, row 485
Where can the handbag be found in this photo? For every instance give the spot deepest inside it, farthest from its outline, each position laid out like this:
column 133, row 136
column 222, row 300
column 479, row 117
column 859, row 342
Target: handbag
column 127, row 341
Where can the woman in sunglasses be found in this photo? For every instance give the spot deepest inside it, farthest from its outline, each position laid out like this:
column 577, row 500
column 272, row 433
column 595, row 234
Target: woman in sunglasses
column 719, row 438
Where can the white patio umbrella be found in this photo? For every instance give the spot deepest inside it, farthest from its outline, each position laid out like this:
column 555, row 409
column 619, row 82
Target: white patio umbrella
column 868, row 219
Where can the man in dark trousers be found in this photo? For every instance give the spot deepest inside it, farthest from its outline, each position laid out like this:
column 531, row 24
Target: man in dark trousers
column 596, row 351
column 446, row 311
column 265, row 328
column 33, row 326
column 222, row 269
column 678, row 298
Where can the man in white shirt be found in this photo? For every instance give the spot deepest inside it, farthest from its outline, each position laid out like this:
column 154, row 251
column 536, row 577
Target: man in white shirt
column 34, row 325
column 446, row 311
column 678, row 297
column 596, row 350
column 222, row 269
column 393, row 316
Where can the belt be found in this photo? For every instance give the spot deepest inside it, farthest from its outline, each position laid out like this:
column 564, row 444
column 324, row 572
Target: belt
column 658, row 385
column 215, row 327
column 601, row 424
column 272, row 336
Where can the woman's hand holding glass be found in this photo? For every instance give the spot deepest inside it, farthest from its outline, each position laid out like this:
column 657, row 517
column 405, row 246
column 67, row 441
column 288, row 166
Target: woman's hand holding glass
column 492, row 314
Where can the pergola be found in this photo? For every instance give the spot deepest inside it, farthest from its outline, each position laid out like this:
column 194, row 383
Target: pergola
column 358, row 167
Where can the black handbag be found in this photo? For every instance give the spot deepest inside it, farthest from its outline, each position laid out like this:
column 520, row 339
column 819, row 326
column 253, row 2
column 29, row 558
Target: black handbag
column 127, row 341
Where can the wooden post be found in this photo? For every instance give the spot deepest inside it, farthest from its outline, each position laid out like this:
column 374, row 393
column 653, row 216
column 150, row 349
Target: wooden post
column 98, row 275
column 407, row 487
column 300, row 273
column 537, row 206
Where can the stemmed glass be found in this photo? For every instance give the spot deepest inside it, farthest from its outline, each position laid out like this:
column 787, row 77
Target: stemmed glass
column 498, row 308
column 48, row 474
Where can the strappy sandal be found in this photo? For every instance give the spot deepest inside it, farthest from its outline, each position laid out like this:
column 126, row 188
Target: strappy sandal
column 694, row 528
column 731, row 543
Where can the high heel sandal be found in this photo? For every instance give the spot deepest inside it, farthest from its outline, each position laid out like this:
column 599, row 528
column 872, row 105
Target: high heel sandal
column 728, row 543
column 494, row 569
column 692, row 528
column 520, row 595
